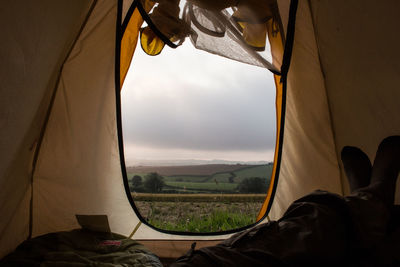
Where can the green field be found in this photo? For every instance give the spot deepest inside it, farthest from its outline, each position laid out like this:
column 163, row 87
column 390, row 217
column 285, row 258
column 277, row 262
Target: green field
column 218, row 182
column 257, row 171
column 211, row 202
column 223, row 177
column 186, row 178
column 205, row 186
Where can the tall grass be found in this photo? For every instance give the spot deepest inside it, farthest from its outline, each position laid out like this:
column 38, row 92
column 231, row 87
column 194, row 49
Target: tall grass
column 217, row 221
column 201, row 217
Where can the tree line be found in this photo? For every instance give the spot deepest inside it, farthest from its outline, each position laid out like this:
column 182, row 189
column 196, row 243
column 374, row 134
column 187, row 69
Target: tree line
column 154, row 183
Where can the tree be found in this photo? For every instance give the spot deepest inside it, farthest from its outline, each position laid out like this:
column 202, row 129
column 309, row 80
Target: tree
column 136, row 184
column 253, row 185
column 232, row 177
column 137, row 181
column 153, row 182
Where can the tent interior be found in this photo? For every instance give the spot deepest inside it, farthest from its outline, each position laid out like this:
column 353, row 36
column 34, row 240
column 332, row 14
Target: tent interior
column 336, row 67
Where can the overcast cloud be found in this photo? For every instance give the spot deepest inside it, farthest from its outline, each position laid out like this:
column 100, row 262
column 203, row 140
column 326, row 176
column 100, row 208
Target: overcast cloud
column 189, row 104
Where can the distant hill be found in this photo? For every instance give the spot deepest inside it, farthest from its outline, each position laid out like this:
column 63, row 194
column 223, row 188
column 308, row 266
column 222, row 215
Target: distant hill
column 206, row 169
column 190, row 162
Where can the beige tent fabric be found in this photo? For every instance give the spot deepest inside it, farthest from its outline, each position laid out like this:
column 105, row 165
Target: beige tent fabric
column 360, row 56
column 342, row 90
column 126, row 4
column 79, row 170
column 36, row 36
column 309, row 160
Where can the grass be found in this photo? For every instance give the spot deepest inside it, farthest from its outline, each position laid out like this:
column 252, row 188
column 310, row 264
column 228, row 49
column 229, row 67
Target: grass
column 222, row 177
column 257, row 171
column 203, row 203
column 205, row 186
column 217, row 221
column 222, row 198
column 198, row 216
column 185, row 178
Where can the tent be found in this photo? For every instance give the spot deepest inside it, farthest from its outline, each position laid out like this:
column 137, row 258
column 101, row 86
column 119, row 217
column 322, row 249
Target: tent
column 60, row 78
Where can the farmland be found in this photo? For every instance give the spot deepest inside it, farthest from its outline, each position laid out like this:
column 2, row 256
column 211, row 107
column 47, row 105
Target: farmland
column 201, row 198
column 218, row 178
column 207, row 169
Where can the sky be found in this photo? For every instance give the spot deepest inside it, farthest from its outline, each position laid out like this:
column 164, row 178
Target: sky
column 188, row 104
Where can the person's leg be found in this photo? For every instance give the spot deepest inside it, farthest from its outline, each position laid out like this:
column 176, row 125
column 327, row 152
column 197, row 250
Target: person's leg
column 357, row 167
column 315, row 231
column 386, row 169
column 320, row 228
column 371, row 206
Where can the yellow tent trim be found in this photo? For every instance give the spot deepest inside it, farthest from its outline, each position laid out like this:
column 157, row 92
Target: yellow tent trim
column 130, row 39
column 279, row 89
column 276, row 42
column 129, row 42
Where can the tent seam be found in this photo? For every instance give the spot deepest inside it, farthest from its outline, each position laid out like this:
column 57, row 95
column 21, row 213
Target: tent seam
column 327, row 100
column 48, row 114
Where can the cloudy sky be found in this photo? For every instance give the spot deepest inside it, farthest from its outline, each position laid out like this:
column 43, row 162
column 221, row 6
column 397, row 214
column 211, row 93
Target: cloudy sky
column 188, row 104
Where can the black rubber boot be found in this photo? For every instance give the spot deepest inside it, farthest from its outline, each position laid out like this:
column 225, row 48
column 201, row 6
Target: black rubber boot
column 357, row 167
column 386, row 169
